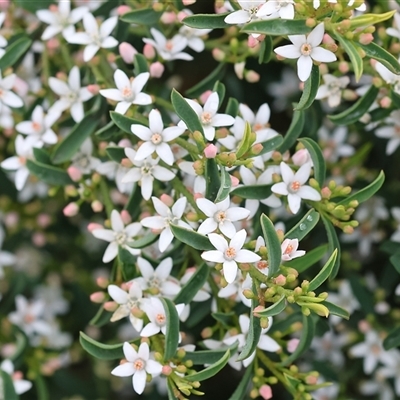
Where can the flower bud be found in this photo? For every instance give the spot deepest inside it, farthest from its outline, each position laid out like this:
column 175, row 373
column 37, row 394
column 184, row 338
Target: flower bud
column 252, row 76
column 110, row 306
column 93, row 89
column 92, row 226
column 166, row 370
column 204, row 96
column 301, row 157
column 71, row 209
column 239, row 69
column 126, row 217
column 252, row 42
column 366, row 38
column 97, row 206
column 210, row 151
column 280, row 280
column 168, row 17
column 188, row 2
column 167, row 199
column 156, row 69
column 74, row 173
column 97, row 297
column 102, row 282
column 148, row 51
column 127, row 52
column 121, row 10
column 292, row 345
column 218, row 54
column 234, row 181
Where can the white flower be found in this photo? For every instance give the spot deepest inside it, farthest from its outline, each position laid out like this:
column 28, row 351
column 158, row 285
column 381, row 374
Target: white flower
column 306, row 49
column 246, row 14
column 389, row 77
column 128, row 91
column 18, row 163
column 20, row 385
column 145, row 171
column 229, row 254
column 94, row 37
column 3, row 41
column 220, row 215
column 332, row 89
column 127, row 301
column 391, row 132
column 139, row 365
column 334, row 144
column 345, row 299
column 282, row 8
column 169, row 49
column 83, row 159
column 293, row 186
column 208, row 116
column 39, row 128
column 61, row 20
column 119, row 236
column 289, row 249
column 329, row 347
column 193, row 36
column 72, row 95
column 156, row 137
column 395, row 32
column 166, row 216
column 113, row 170
column 392, row 369
column 8, row 97
column 6, row 117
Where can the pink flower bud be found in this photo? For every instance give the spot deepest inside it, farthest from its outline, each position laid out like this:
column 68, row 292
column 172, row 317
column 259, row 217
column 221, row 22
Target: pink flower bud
column 97, row 297
column 280, row 280
column 121, row 10
column 156, row 69
column 234, row 181
column 366, row 38
column 168, row 17
column 94, row 89
column 239, row 69
column 126, row 162
column 167, row 199
column 126, row 217
column 181, row 15
column 148, row 51
column 386, row 102
column 4, row 4
column 301, row 157
column 292, row 345
column 124, row 143
column 166, row 370
column 327, row 39
column 344, row 67
column 204, row 96
column 71, row 209
column 93, row 225
column 53, row 44
column 110, row 306
column 266, row 392
column 127, row 52
column 53, row 8
column 39, row 239
column 74, row 173
column 252, row 42
column 188, row 2
column 43, row 220
column 102, row 282
column 211, row 151
column 218, row 54
column 252, row 76
column 364, row 326
column 97, row 206
column 197, row 196
column 11, row 219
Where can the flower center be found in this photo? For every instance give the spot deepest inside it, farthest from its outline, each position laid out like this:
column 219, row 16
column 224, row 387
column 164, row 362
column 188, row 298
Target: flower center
column 160, row 319
column 169, row 45
column 22, row 160
column 139, row 364
column 206, row 118
column 120, row 238
column 220, row 216
column 127, row 93
column 289, row 249
column 306, row 49
column 375, row 349
column 36, row 127
column 72, row 97
column 230, row 253
column 146, row 169
column 262, row 264
column 295, row 186
column 156, row 138
column 28, row 318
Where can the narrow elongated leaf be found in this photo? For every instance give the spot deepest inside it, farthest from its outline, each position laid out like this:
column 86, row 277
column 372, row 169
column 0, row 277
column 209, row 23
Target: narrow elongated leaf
column 202, row 357
column 256, row 192
column 109, row 131
column 271, row 144
column 232, row 107
column 317, row 158
column 7, row 387
column 14, row 52
column 307, row 335
column 100, row 350
column 224, row 317
column 336, row 310
column 33, row 6
column 241, row 390
column 378, row 53
column 294, row 131
column 219, row 88
column 301, row 264
column 393, row 339
column 273, row 245
column 246, row 142
column 274, row 309
column 192, row 238
column 213, row 181
column 304, row 226
column 225, row 187
column 144, row 16
column 140, row 63
column 206, row 21
column 311, row 86
column 333, row 243
column 172, row 333
column 185, row 112
column 123, row 122
column 144, row 241
column 116, row 153
column 211, row 370
column 208, row 82
column 278, row 27
column 367, row 192
column 357, row 110
column 266, row 50
column 352, row 51
column 48, row 174
column 41, row 155
column 192, row 287
column 325, row 272
column 395, row 261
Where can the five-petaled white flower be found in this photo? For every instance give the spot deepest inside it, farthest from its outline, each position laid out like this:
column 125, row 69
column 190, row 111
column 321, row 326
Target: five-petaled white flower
column 246, row 14
column 389, row 77
column 155, row 138
column 293, row 186
column 72, row 95
column 220, row 215
column 229, row 254
column 128, row 91
column 60, row 19
column 166, row 216
column 20, row 385
column 3, row 40
column 119, row 236
column 277, row 8
column 8, row 97
column 139, row 365
column 94, row 37
column 208, row 116
column 332, row 89
column 306, row 49
column 289, row 249
column 391, row 132
column 145, row 171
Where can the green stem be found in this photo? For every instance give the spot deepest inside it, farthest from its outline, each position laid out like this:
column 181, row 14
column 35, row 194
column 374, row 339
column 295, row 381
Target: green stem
column 106, row 197
column 257, row 275
column 66, row 55
column 191, row 148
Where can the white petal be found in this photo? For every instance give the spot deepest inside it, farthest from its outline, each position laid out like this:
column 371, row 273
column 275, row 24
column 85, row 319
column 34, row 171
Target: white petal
column 165, row 153
column 268, row 344
column 309, row 193
column 294, row 202
column 111, row 252
column 126, row 369
column 288, row 51
column 112, row 94
column 230, row 269
column 213, row 256
column 139, row 381
column 238, row 17
column 145, row 150
column 218, row 241
column 117, row 294
column 90, row 51
column 208, row 225
column 316, row 35
column 247, row 256
column 165, row 240
column 179, row 207
column 107, row 26
column 304, row 66
column 322, row 55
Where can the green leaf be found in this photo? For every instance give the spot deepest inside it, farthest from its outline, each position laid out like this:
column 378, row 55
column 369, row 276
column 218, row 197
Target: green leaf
column 273, row 245
column 232, row 107
column 101, row 318
column 7, row 387
column 192, row 238
column 395, row 260
column 185, row 112
column 325, row 272
column 219, row 88
column 143, row 241
column 172, row 333
column 213, row 181
column 367, row 192
column 202, row 357
column 193, row 286
column 14, row 52
column 41, row 155
column 271, row 144
column 206, row 21
column 311, row 86
column 123, row 122
column 242, row 389
column 304, row 226
column 225, row 187
column 357, row 110
column 317, row 158
column 210, row 371
column 33, row 6
column 144, row 16
column 116, row 153
column 256, row 192
column 333, row 243
column 208, row 82
column 246, row 141
column 352, row 51
column 225, row 318
column 107, row 132
column 67, row 148
column 274, row 309
column 305, row 340
column 378, row 53
column 140, row 63
column 336, row 310
column 301, row 264
column 48, row 174
column 392, row 339
column 265, row 53
column 294, row 131
column 363, row 295
column 277, row 27
column 100, row 350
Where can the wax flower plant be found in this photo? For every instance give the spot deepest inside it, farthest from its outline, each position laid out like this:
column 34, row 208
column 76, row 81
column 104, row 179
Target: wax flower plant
column 138, row 153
